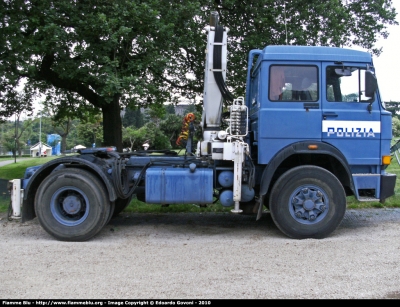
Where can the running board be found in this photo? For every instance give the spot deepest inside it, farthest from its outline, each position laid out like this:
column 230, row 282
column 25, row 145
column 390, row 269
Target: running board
column 365, row 182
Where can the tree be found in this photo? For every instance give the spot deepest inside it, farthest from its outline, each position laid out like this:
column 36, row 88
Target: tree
column 134, row 138
column 107, row 52
column 8, row 141
column 90, row 132
column 256, row 24
column 14, row 134
column 133, row 117
column 24, row 131
column 170, row 109
column 393, row 107
column 73, row 136
column 65, row 106
column 14, row 101
column 396, row 127
column 19, row 102
column 171, row 126
column 139, row 53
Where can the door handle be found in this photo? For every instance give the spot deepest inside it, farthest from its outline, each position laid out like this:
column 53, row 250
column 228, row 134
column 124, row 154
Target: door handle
column 329, row 114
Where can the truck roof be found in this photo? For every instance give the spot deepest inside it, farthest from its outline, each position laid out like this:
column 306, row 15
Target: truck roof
column 314, row 53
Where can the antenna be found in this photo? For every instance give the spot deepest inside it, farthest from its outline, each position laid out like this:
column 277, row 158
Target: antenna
column 284, row 12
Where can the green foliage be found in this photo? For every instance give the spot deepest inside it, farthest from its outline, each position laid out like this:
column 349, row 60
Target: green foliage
column 135, row 138
column 396, row 126
column 171, row 127
column 14, row 101
column 393, row 107
column 138, row 53
column 90, row 132
column 103, row 52
column 131, row 138
column 155, row 112
column 169, row 109
column 15, row 134
column 63, row 107
column 155, row 136
column 133, row 117
column 161, row 132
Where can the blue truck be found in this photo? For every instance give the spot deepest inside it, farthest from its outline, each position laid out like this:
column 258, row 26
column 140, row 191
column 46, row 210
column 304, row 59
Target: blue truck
column 310, row 131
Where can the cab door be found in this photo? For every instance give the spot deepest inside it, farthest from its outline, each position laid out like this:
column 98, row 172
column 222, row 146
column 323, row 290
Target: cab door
column 350, row 119
column 290, row 109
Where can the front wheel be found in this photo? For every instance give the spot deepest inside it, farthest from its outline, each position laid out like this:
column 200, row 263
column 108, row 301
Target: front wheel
column 307, row 202
column 72, row 205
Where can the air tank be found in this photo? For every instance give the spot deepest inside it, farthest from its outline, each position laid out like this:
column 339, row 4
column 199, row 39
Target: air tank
column 225, row 179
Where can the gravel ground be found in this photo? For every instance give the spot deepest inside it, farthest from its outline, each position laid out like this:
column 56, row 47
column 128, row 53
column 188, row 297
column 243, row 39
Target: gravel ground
column 204, row 256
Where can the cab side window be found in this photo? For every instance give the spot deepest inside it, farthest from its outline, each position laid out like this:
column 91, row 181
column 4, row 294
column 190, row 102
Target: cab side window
column 345, row 84
column 293, row 83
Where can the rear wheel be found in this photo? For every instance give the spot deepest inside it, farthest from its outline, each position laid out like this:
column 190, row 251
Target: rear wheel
column 307, row 202
column 72, row 205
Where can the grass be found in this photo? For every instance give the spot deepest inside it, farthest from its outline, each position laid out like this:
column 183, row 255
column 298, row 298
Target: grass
column 16, row 170
column 140, row 207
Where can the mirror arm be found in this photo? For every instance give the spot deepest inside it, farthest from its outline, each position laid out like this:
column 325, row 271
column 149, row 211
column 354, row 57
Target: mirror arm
column 369, row 107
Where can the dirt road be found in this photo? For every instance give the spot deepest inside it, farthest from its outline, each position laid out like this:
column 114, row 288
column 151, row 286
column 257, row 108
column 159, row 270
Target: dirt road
column 204, row 256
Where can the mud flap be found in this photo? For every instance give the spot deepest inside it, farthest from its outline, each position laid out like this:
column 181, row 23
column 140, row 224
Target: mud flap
column 260, row 208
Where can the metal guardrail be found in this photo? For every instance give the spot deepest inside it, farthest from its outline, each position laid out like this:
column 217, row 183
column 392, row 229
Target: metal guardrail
column 395, row 150
column 5, row 152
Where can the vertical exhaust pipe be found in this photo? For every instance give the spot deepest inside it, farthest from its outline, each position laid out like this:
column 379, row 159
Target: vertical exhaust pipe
column 214, row 18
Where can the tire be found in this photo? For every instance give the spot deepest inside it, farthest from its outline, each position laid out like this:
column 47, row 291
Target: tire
column 320, row 202
column 110, row 213
column 121, row 204
column 88, row 205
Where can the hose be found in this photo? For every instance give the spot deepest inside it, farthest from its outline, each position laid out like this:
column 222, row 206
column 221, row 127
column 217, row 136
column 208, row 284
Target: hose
column 120, row 179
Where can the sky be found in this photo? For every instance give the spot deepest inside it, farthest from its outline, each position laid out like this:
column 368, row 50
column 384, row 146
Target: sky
column 387, row 65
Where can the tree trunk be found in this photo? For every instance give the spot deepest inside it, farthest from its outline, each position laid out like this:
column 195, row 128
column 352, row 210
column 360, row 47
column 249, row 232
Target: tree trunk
column 64, row 143
column 112, row 124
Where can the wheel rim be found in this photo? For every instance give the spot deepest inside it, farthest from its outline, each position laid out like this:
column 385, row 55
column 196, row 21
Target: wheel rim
column 308, row 204
column 69, row 206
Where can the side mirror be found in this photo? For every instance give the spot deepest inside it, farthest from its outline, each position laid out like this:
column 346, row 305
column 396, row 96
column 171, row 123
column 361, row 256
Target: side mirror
column 371, row 84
